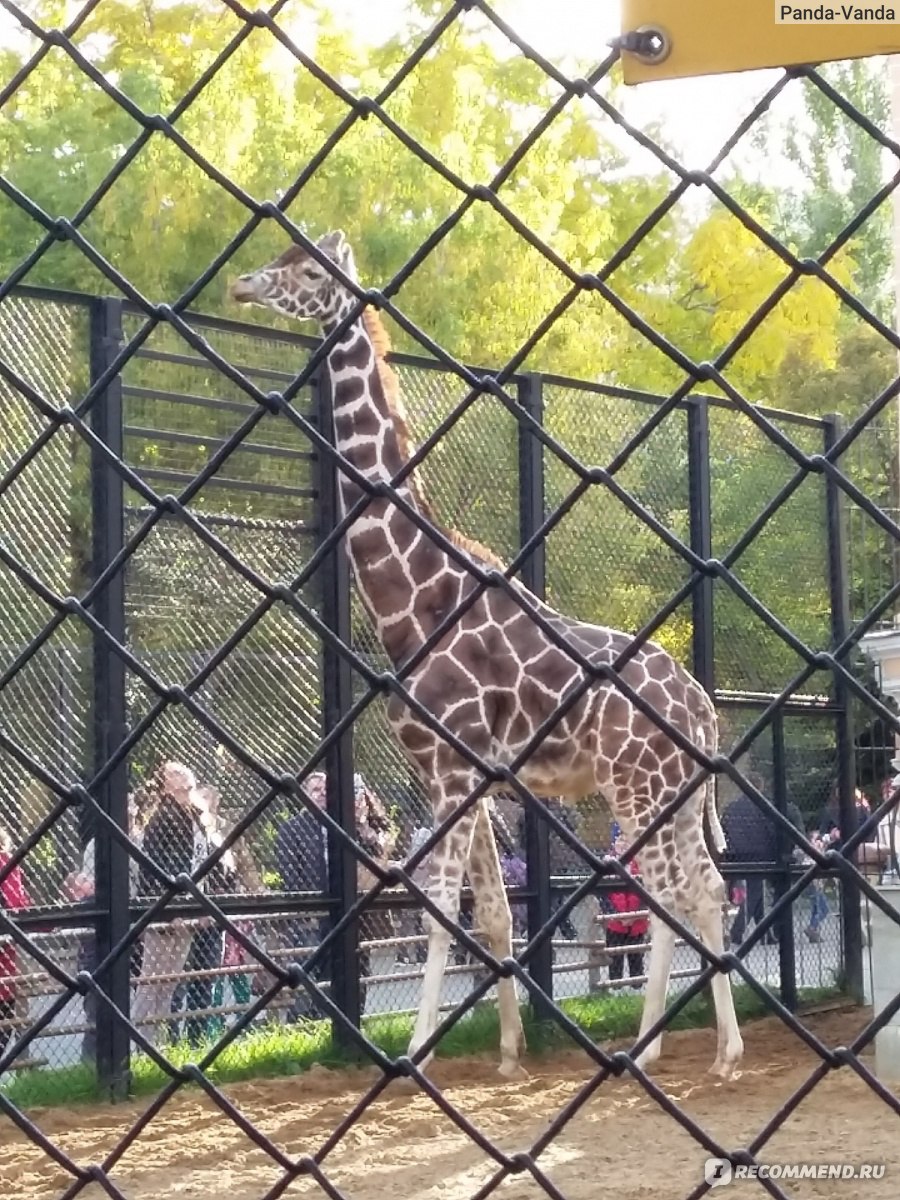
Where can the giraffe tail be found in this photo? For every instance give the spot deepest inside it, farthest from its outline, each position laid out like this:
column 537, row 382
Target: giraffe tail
column 708, row 741
column 715, row 824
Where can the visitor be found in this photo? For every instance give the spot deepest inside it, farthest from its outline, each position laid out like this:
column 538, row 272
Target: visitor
column 13, row 895
column 206, row 951
column 376, row 835
column 78, row 888
column 249, row 881
column 176, row 840
column 819, row 910
column 752, row 839
column 411, row 925
column 301, row 857
column 514, row 870
column 624, row 932
column 564, row 862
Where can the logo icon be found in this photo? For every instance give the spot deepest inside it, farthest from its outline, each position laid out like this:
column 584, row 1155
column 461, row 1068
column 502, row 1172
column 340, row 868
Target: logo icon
column 717, row 1171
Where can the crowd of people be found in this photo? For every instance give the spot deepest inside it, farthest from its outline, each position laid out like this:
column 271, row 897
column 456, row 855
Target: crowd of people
column 180, row 969
column 753, row 840
column 176, row 964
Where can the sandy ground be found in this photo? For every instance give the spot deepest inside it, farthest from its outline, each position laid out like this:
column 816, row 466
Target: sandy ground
column 620, row 1143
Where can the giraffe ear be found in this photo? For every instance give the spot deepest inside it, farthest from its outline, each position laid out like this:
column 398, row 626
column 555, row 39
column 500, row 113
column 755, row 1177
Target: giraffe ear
column 334, row 244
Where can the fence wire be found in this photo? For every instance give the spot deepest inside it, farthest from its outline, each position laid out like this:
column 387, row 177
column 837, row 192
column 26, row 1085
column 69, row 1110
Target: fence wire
column 224, row 631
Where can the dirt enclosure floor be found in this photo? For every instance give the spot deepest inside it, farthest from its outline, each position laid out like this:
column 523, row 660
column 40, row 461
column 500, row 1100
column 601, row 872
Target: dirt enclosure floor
column 620, row 1144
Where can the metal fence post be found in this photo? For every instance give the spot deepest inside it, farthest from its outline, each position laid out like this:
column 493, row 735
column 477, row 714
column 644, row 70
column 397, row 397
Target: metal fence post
column 702, row 610
column 111, row 860
column 533, row 574
column 839, row 589
column 787, row 949
column 337, row 699
column 702, row 613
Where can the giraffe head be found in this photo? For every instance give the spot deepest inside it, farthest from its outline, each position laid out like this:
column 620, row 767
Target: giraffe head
column 296, row 285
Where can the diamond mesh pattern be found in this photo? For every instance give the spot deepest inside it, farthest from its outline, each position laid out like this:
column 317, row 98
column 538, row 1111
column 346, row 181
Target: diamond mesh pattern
column 179, row 602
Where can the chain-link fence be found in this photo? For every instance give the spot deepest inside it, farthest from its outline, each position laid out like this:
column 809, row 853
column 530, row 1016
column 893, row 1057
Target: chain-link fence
column 216, row 858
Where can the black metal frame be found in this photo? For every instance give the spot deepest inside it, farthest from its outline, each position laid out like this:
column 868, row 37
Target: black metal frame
column 543, row 894
column 703, row 621
column 111, row 860
column 532, row 514
column 841, row 625
column 337, row 686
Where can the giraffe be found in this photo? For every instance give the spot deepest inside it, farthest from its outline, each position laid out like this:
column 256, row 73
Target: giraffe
column 495, row 677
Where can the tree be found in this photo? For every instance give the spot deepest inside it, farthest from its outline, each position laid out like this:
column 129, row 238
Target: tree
column 261, row 119
column 842, row 168
column 480, row 292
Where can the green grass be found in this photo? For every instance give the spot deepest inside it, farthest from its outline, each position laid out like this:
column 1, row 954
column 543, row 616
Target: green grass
column 280, row 1050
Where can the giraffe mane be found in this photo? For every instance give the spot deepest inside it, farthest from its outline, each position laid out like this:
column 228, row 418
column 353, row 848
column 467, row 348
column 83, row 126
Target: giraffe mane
column 381, row 344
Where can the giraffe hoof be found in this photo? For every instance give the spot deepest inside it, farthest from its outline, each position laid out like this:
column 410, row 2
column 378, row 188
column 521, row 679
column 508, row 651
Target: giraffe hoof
column 649, row 1058
column 405, row 1086
column 725, row 1069
column 512, row 1070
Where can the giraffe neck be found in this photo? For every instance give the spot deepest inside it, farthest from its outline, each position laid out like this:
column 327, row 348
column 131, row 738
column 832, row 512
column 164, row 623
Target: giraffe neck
column 405, row 580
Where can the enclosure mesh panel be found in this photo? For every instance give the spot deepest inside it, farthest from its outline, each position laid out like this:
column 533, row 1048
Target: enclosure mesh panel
column 44, row 522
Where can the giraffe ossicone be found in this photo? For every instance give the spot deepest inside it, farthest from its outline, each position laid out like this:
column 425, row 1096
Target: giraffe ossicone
column 495, row 677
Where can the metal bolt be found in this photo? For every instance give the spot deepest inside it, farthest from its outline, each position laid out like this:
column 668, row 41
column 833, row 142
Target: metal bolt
column 649, row 44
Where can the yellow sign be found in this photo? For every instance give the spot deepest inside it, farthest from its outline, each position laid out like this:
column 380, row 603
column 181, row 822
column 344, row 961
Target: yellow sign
column 673, row 39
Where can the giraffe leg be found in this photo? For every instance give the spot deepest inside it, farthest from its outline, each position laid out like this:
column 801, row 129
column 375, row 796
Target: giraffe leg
column 653, row 859
column 707, row 915
column 704, row 897
column 493, row 917
column 662, row 950
column 448, row 861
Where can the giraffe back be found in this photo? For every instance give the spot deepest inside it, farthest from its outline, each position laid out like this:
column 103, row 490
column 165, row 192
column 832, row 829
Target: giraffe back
column 497, row 677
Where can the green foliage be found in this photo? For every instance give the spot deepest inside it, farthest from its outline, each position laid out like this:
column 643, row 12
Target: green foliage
column 842, row 169
column 274, row 1050
column 697, row 277
column 262, row 118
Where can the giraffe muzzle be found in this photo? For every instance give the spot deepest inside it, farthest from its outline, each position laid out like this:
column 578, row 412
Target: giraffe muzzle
column 243, row 290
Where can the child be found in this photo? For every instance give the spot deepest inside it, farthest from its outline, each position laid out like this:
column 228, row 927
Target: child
column 12, row 895
column 626, row 931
